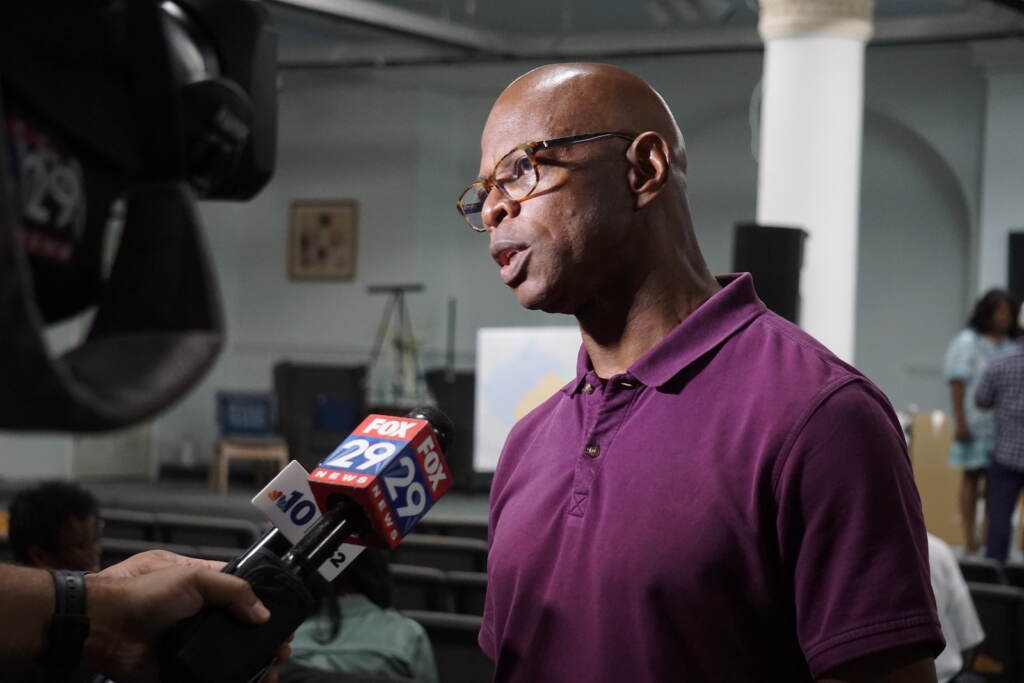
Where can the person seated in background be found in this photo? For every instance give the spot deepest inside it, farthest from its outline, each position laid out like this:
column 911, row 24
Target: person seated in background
column 55, row 525
column 959, row 619
column 356, row 631
column 1002, row 389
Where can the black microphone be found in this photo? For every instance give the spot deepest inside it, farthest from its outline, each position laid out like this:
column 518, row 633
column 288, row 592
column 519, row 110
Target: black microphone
column 373, row 488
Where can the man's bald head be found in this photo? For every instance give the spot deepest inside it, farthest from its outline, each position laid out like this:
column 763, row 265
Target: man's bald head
column 568, row 99
column 605, row 219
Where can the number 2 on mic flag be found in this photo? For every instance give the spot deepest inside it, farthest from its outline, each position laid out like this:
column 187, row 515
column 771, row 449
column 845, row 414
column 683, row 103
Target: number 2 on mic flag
column 288, row 503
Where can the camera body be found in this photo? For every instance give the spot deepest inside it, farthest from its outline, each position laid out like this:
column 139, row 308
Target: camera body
column 121, row 113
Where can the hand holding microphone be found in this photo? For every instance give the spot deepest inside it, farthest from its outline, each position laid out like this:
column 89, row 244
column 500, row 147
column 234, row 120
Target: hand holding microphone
column 164, row 589
column 372, row 490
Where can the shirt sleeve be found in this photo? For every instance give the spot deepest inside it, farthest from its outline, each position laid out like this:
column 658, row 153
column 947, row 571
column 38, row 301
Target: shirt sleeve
column 985, row 392
column 959, row 362
column 851, row 534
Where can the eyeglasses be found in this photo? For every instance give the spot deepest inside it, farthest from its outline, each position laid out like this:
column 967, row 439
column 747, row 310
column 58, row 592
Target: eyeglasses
column 516, row 175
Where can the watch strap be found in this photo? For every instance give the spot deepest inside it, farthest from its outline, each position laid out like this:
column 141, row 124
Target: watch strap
column 70, row 624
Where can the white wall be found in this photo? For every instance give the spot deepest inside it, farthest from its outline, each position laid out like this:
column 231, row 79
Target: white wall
column 1002, row 202
column 404, row 142
column 44, row 456
column 913, row 246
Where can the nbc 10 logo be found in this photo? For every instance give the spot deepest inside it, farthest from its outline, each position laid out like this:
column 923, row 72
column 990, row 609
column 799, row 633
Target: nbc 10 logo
column 361, row 454
column 299, row 509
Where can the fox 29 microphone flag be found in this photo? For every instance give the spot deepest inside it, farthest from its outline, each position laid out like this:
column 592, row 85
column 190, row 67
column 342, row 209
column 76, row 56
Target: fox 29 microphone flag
column 392, row 467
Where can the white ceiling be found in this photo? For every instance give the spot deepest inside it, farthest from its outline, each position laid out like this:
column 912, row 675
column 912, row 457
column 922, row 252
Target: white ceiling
column 380, row 32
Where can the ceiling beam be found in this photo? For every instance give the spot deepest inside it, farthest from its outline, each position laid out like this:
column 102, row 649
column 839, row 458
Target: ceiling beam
column 380, row 15
column 624, row 44
column 1017, row 5
column 981, row 21
column 462, row 43
column 318, row 55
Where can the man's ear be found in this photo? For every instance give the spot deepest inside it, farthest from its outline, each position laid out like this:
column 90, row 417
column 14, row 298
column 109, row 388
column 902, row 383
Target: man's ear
column 42, row 558
column 649, row 167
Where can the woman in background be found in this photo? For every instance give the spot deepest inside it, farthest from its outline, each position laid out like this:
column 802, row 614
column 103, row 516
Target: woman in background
column 357, row 632
column 992, row 324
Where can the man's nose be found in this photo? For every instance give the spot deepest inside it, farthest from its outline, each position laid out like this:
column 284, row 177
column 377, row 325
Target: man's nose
column 498, row 207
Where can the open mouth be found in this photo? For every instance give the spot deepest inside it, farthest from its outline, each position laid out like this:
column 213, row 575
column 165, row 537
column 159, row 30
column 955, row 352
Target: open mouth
column 505, row 256
column 513, row 271
column 504, row 251
column 511, row 258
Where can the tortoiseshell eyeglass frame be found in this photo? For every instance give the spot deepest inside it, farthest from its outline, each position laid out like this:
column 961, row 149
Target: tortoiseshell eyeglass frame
column 530, row 148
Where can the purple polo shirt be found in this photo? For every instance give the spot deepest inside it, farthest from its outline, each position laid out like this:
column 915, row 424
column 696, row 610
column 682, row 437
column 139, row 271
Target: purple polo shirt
column 738, row 506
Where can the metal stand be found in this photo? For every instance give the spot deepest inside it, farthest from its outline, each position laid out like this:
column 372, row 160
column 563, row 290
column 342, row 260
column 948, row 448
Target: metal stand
column 406, row 357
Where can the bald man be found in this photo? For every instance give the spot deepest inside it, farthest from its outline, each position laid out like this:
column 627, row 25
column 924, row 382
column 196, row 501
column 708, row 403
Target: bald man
column 715, row 497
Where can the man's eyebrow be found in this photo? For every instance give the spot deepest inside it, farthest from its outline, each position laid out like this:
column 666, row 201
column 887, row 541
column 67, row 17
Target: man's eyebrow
column 481, row 178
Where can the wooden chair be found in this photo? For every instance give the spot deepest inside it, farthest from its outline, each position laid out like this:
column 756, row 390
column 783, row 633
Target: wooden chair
column 253, row 450
column 246, row 424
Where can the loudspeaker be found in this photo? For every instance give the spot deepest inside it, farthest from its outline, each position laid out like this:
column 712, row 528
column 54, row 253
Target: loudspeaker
column 455, row 393
column 773, row 255
column 1015, row 264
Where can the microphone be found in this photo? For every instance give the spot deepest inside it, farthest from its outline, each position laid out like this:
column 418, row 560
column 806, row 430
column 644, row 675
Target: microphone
column 382, row 447
column 371, row 490
column 392, row 468
column 376, row 485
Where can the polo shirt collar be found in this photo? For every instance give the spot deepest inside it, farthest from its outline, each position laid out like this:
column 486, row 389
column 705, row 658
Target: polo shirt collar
column 714, row 321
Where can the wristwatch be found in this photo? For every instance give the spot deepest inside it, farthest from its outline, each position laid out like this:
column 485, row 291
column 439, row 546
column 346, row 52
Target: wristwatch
column 69, row 627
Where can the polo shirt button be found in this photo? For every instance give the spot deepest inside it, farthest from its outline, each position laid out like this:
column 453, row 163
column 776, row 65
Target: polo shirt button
column 626, row 385
column 593, row 450
column 588, row 388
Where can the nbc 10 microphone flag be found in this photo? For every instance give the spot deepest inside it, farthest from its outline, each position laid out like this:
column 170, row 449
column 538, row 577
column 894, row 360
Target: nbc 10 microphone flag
column 392, row 467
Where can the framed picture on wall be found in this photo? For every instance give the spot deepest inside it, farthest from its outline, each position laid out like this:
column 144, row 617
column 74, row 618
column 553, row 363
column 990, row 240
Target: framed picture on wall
column 322, row 239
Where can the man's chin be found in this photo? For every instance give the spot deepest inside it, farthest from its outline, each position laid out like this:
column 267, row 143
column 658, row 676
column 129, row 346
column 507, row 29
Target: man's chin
column 529, row 297
column 536, row 300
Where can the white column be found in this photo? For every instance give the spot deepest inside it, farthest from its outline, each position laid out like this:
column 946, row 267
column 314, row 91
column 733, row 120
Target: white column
column 809, row 173
column 1002, row 168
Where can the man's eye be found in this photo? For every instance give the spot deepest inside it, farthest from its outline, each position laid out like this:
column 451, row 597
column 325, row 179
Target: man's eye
column 523, row 166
